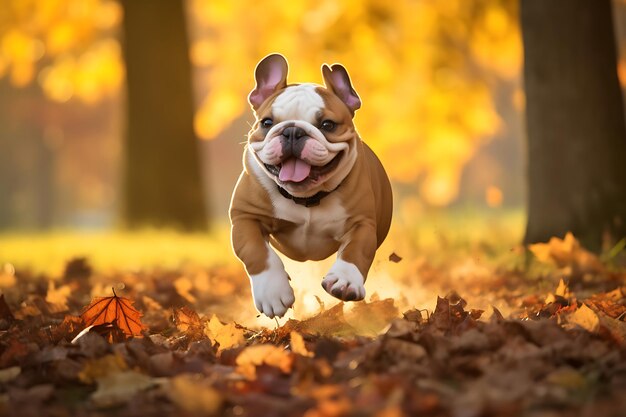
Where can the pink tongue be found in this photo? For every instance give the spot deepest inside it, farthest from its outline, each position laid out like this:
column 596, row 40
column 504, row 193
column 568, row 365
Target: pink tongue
column 294, row 169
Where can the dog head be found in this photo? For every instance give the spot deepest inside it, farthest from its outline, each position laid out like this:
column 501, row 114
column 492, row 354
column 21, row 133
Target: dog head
column 303, row 138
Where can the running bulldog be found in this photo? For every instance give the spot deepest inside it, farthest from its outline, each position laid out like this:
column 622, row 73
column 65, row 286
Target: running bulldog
column 309, row 188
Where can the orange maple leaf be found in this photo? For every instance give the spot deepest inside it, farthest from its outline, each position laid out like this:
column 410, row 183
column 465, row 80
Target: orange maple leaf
column 104, row 310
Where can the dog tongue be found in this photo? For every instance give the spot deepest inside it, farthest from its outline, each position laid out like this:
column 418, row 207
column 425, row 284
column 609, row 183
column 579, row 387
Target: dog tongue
column 294, row 169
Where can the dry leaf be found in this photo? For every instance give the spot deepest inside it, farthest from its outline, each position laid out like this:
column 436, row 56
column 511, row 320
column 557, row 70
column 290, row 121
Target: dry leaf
column 616, row 328
column 585, row 318
column 403, row 350
column 394, row 257
column 568, row 378
column 370, row 318
column 103, row 310
column 120, row 387
column 190, row 394
column 99, row 368
column 58, row 296
column 151, row 304
column 562, row 289
column 183, row 287
column 566, row 253
column 257, row 355
column 9, row 374
column 298, row 346
column 328, row 322
column 186, row 318
column 226, row 335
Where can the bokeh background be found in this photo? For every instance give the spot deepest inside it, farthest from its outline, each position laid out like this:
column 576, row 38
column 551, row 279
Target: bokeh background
column 443, row 106
column 440, row 82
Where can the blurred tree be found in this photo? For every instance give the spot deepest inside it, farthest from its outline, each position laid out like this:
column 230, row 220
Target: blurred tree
column 57, row 58
column 162, row 184
column 26, row 162
column 575, row 122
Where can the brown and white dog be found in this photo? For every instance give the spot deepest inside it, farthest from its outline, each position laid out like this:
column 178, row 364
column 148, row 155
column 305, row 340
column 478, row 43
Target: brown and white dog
column 310, row 187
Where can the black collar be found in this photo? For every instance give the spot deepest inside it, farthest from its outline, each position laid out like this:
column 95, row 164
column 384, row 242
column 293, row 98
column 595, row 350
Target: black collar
column 312, row 201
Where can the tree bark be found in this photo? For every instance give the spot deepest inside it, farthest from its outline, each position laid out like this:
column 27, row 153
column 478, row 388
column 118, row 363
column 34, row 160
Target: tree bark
column 575, row 122
column 162, row 179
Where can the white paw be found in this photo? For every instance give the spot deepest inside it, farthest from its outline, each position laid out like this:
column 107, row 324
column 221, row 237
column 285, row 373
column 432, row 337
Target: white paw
column 344, row 281
column 273, row 295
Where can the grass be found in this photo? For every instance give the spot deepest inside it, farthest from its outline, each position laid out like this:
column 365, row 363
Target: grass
column 437, row 234
column 114, row 250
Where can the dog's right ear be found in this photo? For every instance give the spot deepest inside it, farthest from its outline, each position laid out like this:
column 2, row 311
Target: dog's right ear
column 270, row 75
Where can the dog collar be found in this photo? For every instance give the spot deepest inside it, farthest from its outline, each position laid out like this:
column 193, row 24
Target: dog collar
column 312, row 201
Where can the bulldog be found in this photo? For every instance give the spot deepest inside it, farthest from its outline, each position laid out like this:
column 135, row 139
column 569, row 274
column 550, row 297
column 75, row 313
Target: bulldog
column 309, row 187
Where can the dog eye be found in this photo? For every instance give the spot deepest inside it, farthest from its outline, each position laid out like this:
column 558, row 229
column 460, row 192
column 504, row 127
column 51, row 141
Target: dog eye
column 328, row 125
column 267, row 123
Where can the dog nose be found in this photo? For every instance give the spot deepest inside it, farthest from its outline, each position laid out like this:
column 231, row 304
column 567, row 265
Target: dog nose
column 293, row 132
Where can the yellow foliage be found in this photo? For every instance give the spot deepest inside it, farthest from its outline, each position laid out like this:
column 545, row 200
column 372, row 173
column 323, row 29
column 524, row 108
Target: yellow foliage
column 568, row 254
column 189, row 393
column 425, row 69
column 73, row 35
column 298, row 346
column 258, row 355
column 226, row 335
column 419, row 66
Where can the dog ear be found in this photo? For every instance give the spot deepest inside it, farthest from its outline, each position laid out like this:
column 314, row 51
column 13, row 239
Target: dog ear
column 270, row 75
column 337, row 80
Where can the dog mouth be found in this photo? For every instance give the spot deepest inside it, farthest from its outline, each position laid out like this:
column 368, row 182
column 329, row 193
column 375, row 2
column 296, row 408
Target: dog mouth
column 295, row 170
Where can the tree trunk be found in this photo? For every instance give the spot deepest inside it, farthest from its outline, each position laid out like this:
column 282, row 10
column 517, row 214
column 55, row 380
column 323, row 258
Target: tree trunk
column 575, row 122
column 162, row 183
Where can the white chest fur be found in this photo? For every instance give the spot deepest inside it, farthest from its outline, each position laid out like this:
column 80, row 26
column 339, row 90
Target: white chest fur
column 312, row 233
column 304, row 233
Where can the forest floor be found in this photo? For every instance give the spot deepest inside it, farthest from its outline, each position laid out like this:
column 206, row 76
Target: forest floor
column 460, row 320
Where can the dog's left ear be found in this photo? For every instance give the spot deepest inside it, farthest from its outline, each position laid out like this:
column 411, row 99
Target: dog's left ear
column 270, row 75
column 337, row 80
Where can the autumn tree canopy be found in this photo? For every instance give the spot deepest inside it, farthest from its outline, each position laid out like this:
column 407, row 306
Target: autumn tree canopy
column 432, row 66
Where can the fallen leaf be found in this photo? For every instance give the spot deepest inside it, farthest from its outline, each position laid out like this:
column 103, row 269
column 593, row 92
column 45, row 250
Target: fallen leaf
column 394, row 257
column 192, row 394
column 565, row 253
column 616, row 328
column 370, row 318
column 562, row 289
column 226, row 335
column 413, row 315
column 9, row 374
column 186, row 318
column 327, row 322
column 183, row 286
column 58, row 296
column 403, row 350
column 266, row 354
column 150, row 303
column 449, row 312
column 298, row 346
column 585, row 318
column 104, row 310
column 120, row 387
column 99, row 368
column 567, row 378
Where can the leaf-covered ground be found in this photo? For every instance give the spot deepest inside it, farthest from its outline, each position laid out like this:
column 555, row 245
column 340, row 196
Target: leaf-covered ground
column 141, row 342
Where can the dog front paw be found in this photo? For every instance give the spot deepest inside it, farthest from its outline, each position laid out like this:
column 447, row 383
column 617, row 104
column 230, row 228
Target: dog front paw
column 273, row 295
column 344, row 281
